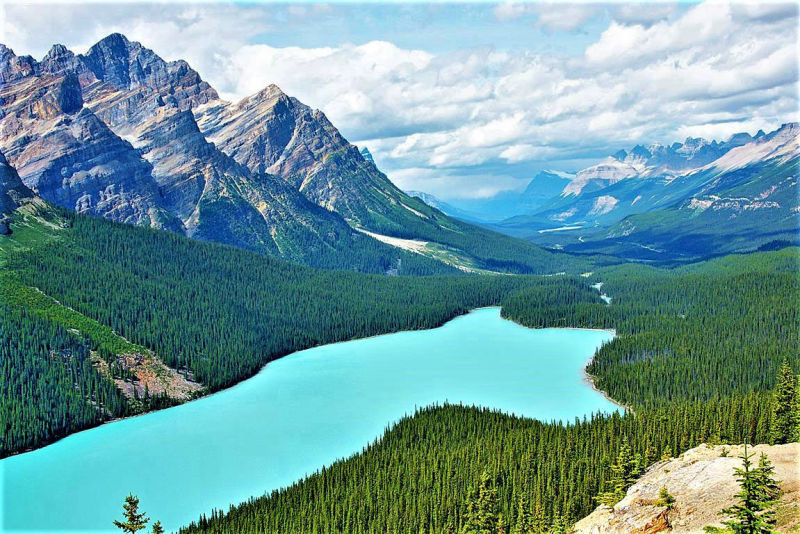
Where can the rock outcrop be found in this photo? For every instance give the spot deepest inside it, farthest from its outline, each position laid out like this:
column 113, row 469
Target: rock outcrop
column 703, row 483
column 13, row 193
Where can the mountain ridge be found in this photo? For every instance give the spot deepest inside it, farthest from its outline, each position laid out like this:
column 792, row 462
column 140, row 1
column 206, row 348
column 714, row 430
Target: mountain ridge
column 747, row 194
column 268, row 173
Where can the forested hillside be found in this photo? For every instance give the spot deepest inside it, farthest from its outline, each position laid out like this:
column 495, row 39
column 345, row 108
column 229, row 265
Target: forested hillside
column 213, row 312
column 707, row 330
column 697, row 352
column 419, row 476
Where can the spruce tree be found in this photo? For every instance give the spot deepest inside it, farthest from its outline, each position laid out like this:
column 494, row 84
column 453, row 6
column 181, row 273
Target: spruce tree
column 134, row 520
column 623, row 475
column 786, row 415
column 524, row 522
column 754, row 513
column 539, row 522
column 665, row 499
column 482, row 515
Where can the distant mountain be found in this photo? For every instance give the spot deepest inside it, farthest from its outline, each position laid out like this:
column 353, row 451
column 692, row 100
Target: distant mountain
column 446, row 207
column 545, row 185
column 743, row 199
column 655, row 160
column 120, row 133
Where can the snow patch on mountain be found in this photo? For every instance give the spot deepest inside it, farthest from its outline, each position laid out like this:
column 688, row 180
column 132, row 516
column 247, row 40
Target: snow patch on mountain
column 603, row 204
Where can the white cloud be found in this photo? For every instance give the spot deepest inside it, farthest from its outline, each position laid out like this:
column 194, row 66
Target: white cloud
column 565, row 17
column 510, row 10
column 643, row 13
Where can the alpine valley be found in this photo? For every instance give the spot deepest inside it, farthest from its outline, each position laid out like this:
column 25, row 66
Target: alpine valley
column 222, row 317
column 682, row 202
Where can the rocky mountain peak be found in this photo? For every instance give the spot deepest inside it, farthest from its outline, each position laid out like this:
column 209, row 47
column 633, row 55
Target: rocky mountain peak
column 6, row 53
column 786, row 132
column 60, row 60
column 620, row 155
column 58, row 51
column 640, row 151
column 13, row 67
column 125, row 64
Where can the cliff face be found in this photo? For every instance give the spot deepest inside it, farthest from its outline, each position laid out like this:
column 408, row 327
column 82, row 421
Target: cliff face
column 70, row 157
column 110, row 133
column 277, row 134
column 12, row 192
column 703, row 483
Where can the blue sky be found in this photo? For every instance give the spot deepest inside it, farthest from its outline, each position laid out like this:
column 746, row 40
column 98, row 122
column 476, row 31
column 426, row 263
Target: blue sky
column 468, row 100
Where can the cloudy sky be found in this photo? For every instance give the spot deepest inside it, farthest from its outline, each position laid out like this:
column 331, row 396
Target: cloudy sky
column 466, row 100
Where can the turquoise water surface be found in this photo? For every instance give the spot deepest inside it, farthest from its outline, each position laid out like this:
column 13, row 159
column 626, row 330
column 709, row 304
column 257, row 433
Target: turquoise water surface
column 299, row 413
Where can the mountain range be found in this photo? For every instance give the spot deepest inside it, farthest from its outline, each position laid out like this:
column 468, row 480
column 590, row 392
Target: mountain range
column 120, row 133
column 683, row 201
column 545, row 185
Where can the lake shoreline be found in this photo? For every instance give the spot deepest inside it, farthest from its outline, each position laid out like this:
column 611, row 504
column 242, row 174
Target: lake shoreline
column 318, row 407
column 588, row 379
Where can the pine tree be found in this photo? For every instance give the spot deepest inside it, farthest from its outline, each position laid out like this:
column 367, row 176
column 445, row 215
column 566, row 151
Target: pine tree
column 134, row 520
column 482, row 508
column 754, row 513
column 501, row 525
column 560, row 525
column 786, row 416
column 539, row 521
column 623, row 475
column 665, row 499
column 157, row 528
column 768, row 487
column 524, row 522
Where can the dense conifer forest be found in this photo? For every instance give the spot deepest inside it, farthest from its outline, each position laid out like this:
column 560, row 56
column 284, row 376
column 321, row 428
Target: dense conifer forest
column 697, row 353
column 49, row 386
column 703, row 331
column 215, row 311
column 419, row 476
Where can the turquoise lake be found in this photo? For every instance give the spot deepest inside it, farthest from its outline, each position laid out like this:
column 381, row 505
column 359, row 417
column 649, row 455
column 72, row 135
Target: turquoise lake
column 299, row 413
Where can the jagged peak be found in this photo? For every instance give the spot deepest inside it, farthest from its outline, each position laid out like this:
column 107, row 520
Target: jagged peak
column 640, row 151
column 113, row 40
column 58, row 50
column 269, row 92
column 6, row 52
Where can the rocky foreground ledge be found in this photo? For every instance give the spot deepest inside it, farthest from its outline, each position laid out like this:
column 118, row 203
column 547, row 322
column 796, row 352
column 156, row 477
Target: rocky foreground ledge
column 703, row 483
